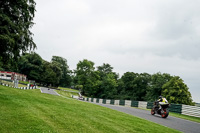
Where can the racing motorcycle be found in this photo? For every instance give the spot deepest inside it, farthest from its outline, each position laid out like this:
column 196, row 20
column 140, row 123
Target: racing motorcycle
column 164, row 111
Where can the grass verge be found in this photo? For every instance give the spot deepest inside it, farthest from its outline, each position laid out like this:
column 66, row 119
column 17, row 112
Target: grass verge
column 35, row 112
column 68, row 89
column 186, row 117
column 66, row 93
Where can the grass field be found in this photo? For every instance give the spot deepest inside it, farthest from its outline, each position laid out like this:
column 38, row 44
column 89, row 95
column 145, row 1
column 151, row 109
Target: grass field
column 186, row 117
column 35, row 112
column 67, row 94
column 68, row 89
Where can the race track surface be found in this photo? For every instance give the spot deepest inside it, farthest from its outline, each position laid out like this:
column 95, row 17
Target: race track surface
column 185, row 126
column 48, row 91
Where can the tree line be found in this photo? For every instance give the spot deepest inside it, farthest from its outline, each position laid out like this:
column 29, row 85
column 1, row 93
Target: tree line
column 101, row 81
column 16, row 19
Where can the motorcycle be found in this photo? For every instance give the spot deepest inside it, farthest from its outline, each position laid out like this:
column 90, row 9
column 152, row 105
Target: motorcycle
column 164, row 111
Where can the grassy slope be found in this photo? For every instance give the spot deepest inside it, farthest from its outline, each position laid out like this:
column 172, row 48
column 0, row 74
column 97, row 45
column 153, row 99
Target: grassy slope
column 68, row 89
column 67, row 93
column 186, row 117
column 30, row 111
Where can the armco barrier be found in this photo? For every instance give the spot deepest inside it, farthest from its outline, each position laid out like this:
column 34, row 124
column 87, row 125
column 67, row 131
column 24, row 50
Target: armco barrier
column 112, row 101
column 150, row 105
column 121, row 102
column 191, row 110
column 134, row 103
column 176, row 108
column 104, row 101
column 97, row 101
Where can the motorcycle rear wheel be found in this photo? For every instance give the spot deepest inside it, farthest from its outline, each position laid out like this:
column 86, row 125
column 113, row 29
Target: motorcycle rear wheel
column 152, row 111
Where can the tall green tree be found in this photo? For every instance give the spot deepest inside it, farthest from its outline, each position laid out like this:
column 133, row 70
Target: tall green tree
column 51, row 74
column 16, row 19
column 87, row 76
column 155, row 85
column 108, row 87
column 108, row 82
column 31, row 65
column 133, row 85
column 176, row 91
column 65, row 80
column 128, row 86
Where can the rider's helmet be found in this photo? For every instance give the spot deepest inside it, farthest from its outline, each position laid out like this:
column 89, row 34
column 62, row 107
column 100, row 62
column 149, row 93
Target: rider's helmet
column 160, row 97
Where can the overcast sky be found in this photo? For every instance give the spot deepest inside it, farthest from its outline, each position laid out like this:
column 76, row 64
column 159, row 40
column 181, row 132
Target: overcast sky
column 131, row 35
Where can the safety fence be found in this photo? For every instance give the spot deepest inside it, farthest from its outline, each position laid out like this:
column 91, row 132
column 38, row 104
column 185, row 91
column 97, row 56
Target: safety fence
column 176, row 108
column 23, row 88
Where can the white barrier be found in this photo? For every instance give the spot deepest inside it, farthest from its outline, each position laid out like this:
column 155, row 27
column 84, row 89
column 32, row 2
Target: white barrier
column 107, row 101
column 89, row 99
column 101, row 101
column 142, row 104
column 128, row 103
column 191, row 110
column 94, row 100
column 116, row 102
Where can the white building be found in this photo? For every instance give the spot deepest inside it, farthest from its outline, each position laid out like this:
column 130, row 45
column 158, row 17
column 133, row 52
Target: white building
column 12, row 76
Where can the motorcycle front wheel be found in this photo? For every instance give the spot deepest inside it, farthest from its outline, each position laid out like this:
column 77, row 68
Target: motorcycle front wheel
column 165, row 113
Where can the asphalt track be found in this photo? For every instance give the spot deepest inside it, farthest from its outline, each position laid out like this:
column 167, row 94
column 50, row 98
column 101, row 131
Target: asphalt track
column 48, row 91
column 185, row 126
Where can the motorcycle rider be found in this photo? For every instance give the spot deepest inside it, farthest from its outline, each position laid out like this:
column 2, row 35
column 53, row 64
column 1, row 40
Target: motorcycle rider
column 161, row 101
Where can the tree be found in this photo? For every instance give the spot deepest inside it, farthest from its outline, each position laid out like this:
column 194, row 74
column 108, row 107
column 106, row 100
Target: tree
column 106, row 69
column 133, row 85
column 87, row 76
column 155, row 85
column 16, row 18
column 31, row 65
column 55, row 66
column 108, row 87
column 48, row 76
column 176, row 91
column 65, row 80
column 108, row 82
column 128, row 86
column 51, row 74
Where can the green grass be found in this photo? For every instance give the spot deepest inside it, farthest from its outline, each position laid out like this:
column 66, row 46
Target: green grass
column 66, row 93
column 186, row 117
column 67, row 89
column 34, row 112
